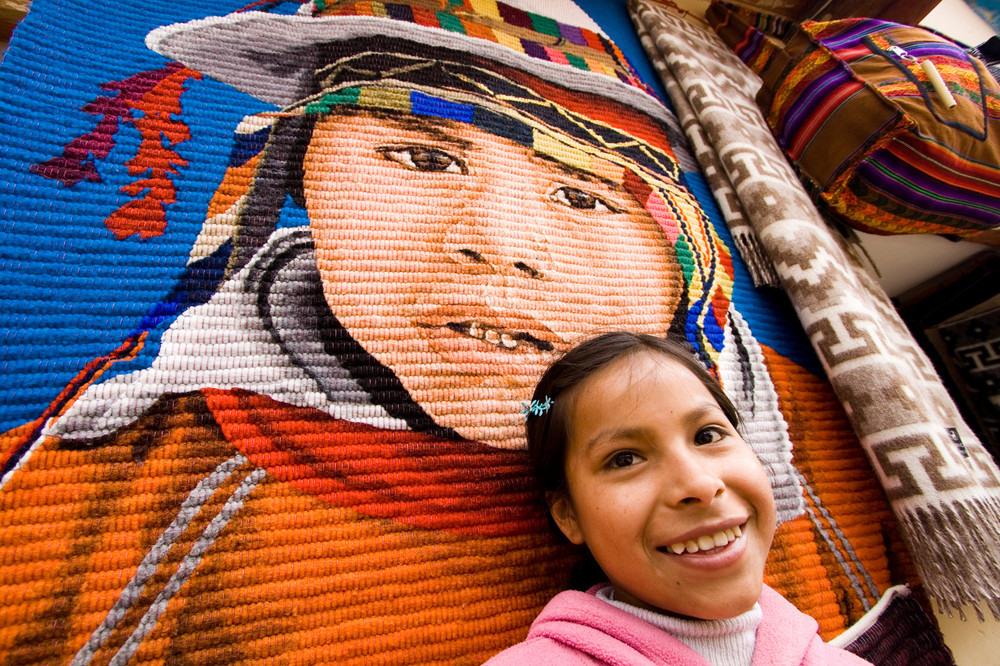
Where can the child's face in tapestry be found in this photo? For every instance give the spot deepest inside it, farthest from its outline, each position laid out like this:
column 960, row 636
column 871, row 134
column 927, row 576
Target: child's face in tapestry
column 467, row 262
column 664, row 492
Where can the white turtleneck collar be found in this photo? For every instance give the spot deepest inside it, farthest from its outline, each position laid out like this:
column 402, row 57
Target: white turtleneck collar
column 727, row 642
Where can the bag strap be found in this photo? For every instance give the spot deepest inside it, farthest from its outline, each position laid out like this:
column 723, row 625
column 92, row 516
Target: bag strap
column 754, row 35
column 758, row 38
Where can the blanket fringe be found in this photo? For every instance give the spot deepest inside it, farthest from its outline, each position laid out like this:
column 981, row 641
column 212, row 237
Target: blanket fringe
column 756, row 258
column 959, row 561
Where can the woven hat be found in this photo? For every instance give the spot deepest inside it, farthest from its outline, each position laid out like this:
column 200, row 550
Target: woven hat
column 273, row 56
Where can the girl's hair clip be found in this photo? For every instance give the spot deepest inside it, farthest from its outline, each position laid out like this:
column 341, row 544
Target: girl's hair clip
column 536, row 407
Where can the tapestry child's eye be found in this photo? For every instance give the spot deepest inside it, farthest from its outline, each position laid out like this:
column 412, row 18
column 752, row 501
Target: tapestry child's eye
column 709, row 435
column 422, row 158
column 576, row 198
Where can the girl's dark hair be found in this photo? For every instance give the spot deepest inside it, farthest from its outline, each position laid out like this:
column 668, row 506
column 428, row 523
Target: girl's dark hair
column 548, row 433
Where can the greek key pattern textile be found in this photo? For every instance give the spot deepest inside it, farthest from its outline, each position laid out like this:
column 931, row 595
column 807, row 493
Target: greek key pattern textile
column 942, row 483
column 744, row 236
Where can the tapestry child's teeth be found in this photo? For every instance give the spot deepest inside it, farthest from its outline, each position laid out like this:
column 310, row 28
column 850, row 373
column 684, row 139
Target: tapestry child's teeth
column 706, row 542
column 491, row 335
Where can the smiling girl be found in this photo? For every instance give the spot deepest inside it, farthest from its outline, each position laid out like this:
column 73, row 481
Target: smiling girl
column 637, row 453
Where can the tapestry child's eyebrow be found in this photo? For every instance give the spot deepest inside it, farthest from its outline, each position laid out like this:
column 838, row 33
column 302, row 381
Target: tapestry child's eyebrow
column 581, row 174
column 436, row 130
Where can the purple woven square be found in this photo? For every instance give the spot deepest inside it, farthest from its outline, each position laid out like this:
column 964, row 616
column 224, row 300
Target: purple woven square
column 572, row 34
column 534, row 49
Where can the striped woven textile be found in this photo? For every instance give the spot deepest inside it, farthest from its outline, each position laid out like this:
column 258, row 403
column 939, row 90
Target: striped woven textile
column 853, row 109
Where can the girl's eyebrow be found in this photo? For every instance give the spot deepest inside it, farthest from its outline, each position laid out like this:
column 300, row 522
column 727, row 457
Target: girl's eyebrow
column 699, row 413
column 612, row 433
column 704, row 410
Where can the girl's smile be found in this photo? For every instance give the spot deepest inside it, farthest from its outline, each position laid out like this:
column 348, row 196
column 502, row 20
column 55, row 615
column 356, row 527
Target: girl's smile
column 706, row 544
column 671, row 502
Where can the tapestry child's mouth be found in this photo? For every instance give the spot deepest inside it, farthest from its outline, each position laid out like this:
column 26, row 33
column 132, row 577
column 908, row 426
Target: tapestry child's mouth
column 503, row 331
column 498, row 337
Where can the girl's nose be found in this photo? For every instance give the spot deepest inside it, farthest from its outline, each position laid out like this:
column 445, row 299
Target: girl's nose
column 692, row 479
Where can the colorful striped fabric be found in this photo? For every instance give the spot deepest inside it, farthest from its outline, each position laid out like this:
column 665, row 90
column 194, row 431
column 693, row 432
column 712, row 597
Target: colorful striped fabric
column 533, row 34
column 852, row 107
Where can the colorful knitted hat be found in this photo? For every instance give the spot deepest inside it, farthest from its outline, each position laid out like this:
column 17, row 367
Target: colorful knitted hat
column 273, row 56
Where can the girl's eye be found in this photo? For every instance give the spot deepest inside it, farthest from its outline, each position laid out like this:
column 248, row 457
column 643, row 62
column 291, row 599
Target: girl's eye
column 425, row 159
column 622, row 459
column 574, row 198
column 709, row 435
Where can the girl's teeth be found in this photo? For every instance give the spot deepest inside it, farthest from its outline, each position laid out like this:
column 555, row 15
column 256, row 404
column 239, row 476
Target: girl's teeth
column 717, row 540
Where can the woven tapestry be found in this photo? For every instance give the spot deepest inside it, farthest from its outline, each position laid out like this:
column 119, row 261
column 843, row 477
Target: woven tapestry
column 278, row 282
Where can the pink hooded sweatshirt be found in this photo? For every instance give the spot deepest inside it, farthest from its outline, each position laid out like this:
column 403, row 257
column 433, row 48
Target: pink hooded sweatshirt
column 579, row 628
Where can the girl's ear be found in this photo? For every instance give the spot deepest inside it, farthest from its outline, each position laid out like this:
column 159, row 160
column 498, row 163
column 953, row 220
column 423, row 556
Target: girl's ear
column 564, row 513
